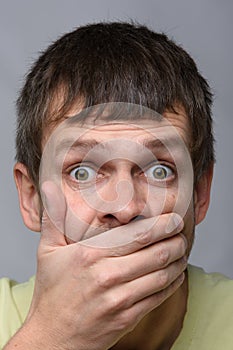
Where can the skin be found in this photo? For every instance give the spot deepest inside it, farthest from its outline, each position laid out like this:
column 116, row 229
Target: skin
column 109, row 291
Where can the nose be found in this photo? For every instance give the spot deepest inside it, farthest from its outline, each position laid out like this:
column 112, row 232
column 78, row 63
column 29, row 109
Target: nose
column 125, row 200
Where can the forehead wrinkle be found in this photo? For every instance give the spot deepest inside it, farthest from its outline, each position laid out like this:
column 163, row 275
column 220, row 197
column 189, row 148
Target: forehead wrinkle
column 87, row 145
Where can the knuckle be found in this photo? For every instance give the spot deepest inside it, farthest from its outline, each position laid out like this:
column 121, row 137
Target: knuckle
column 126, row 321
column 163, row 256
column 144, row 238
column 107, row 279
column 162, row 279
column 116, row 302
column 85, row 256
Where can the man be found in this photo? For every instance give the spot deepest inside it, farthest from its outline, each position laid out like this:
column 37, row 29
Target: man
column 115, row 161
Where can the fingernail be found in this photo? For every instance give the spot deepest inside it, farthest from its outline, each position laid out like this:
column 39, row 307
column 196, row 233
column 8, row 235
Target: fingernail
column 185, row 241
column 174, row 222
column 181, row 278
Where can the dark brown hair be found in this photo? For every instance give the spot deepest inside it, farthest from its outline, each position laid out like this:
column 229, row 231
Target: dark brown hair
column 113, row 62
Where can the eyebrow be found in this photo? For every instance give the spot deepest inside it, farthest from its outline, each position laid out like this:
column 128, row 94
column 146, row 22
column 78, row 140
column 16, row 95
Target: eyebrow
column 86, row 145
column 152, row 144
column 70, row 144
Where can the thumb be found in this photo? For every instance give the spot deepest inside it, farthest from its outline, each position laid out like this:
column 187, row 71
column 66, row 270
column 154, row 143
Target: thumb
column 53, row 218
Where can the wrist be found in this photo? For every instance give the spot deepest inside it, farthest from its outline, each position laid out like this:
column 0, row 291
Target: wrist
column 33, row 337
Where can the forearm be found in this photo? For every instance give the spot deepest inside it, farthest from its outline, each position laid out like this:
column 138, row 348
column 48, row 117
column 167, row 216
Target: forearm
column 29, row 337
column 88, row 298
column 36, row 335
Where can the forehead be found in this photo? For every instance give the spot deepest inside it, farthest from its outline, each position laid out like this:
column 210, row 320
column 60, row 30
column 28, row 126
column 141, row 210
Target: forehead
column 172, row 125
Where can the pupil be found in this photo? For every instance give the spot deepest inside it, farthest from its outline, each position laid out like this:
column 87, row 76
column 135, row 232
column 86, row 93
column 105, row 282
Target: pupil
column 160, row 173
column 81, row 174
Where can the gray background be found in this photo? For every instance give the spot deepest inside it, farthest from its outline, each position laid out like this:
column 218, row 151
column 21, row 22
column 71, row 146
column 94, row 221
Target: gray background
column 204, row 28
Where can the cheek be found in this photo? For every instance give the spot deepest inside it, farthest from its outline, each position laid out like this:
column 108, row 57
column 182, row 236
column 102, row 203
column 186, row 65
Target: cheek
column 189, row 227
column 77, row 204
column 161, row 200
column 170, row 201
column 80, row 217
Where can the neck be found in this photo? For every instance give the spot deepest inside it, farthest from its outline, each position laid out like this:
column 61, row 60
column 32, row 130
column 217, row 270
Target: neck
column 160, row 328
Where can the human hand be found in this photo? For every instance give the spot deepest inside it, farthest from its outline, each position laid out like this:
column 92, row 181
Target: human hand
column 90, row 294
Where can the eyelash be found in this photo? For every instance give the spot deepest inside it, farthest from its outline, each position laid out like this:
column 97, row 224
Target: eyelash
column 95, row 169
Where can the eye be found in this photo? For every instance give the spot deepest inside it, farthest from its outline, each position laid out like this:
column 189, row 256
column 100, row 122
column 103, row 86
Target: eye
column 83, row 174
column 159, row 172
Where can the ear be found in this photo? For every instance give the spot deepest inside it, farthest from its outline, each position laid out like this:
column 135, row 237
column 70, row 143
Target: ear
column 29, row 200
column 202, row 194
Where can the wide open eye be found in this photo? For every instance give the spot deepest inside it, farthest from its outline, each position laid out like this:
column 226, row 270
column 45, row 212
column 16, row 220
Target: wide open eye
column 83, row 174
column 159, row 172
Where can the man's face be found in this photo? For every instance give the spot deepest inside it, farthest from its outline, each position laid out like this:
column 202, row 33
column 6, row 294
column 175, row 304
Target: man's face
column 114, row 172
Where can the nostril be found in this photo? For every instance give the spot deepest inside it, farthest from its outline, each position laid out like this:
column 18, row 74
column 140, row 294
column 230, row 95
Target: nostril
column 110, row 220
column 109, row 216
column 113, row 220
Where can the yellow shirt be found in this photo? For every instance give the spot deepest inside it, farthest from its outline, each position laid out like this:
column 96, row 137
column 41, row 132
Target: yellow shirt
column 15, row 301
column 208, row 323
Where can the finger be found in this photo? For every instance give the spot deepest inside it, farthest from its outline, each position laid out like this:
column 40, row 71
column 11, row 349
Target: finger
column 54, row 213
column 140, row 263
column 154, row 282
column 129, row 238
column 136, row 313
